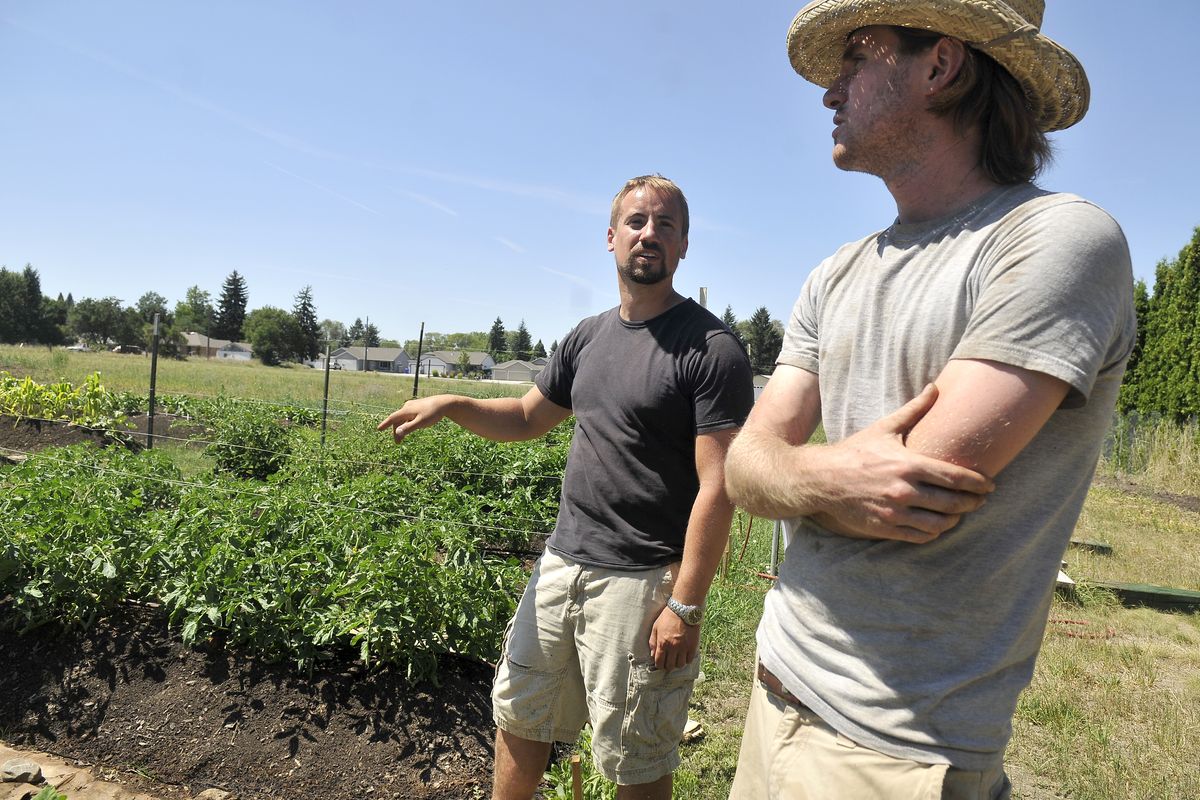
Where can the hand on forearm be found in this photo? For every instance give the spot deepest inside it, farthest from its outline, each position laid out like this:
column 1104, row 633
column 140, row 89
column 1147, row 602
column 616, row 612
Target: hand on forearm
column 870, row 485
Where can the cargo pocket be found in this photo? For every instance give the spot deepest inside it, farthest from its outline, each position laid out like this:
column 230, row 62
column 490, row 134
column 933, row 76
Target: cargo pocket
column 656, row 708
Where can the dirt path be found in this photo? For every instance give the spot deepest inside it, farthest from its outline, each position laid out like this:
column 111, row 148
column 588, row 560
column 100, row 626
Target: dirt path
column 68, row 777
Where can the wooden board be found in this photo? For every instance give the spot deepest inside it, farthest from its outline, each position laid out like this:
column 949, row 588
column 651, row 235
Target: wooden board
column 1103, row 548
column 1144, row 594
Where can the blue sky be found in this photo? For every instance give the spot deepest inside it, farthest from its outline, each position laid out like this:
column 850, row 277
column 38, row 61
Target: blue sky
column 453, row 162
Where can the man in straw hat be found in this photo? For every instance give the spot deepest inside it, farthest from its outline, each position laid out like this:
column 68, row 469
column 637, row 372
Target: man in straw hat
column 965, row 362
column 608, row 629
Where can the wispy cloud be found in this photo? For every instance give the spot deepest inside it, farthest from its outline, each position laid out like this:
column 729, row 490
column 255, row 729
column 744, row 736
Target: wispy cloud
column 549, row 194
column 429, row 201
column 575, row 279
column 516, row 248
column 324, row 188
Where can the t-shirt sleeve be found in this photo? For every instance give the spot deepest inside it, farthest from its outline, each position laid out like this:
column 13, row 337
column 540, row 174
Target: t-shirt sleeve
column 800, row 339
column 724, row 385
column 556, row 380
column 1057, row 298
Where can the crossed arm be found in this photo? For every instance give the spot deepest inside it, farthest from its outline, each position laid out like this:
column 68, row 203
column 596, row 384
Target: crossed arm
column 911, row 475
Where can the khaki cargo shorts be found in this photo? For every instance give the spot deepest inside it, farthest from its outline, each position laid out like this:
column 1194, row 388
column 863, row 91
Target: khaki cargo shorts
column 578, row 649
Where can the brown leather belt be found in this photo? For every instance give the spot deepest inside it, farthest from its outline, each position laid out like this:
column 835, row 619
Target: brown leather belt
column 775, row 687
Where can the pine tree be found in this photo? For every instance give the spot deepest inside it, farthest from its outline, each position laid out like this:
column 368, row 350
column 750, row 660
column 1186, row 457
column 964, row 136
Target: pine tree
column 231, row 308
column 731, row 322
column 497, row 340
column 539, row 350
column 308, row 330
column 354, row 335
column 371, row 335
column 522, row 344
column 764, row 341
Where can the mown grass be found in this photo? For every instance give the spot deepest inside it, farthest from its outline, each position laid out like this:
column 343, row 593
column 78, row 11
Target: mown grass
column 293, row 384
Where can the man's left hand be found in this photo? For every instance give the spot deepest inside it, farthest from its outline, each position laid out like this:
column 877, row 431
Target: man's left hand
column 673, row 643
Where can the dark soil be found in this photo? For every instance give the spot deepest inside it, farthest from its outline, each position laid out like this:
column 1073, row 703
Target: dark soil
column 19, row 436
column 126, row 694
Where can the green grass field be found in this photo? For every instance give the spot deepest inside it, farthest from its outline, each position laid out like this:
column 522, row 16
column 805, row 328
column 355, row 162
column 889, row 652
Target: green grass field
column 1113, row 712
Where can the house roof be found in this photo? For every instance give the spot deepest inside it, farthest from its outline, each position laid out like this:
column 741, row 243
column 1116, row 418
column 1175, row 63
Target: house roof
column 452, row 356
column 517, row 362
column 373, row 353
column 194, row 339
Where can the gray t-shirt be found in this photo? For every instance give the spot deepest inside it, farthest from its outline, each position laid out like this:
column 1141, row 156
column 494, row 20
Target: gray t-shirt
column 641, row 393
column 920, row 651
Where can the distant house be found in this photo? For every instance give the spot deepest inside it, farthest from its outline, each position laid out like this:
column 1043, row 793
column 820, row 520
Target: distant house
column 447, row 362
column 524, row 371
column 760, row 383
column 540, row 361
column 235, row 351
column 204, row 346
column 369, row 359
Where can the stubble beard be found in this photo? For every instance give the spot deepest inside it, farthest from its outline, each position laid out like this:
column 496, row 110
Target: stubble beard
column 646, row 274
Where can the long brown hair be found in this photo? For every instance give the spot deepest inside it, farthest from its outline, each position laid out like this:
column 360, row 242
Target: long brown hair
column 1013, row 148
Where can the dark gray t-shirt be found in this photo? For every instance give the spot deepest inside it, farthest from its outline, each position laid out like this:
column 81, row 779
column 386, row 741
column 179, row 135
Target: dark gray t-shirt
column 641, row 392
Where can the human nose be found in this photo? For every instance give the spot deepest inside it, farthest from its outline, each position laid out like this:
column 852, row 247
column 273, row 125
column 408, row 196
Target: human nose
column 835, row 95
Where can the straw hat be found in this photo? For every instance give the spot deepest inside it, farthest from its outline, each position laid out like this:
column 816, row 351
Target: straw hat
column 1053, row 79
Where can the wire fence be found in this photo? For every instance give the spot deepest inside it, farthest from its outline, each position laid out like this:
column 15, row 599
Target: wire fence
column 406, row 466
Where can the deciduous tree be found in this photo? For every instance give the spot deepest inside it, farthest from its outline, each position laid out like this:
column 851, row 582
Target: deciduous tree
column 272, row 333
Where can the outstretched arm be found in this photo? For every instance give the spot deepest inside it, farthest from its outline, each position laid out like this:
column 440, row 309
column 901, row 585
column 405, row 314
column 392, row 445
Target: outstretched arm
column 502, row 419
column 673, row 643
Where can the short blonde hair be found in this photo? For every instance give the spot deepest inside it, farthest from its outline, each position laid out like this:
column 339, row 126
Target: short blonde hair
column 659, row 184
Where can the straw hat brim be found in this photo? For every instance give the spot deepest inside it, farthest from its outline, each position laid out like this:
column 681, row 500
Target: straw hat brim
column 1053, row 79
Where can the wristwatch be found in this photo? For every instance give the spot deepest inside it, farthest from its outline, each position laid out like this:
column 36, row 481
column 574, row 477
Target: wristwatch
column 691, row 615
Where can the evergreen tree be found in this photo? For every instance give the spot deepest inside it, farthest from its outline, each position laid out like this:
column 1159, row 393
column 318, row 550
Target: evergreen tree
column 539, row 350
column 553, row 346
column 355, row 334
column 731, row 322
column 12, row 289
column 1127, row 400
column 1167, row 376
column 231, row 308
column 522, row 345
column 308, row 330
column 371, row 335
column 31, row 305
column 497, row 340
column 764, row 339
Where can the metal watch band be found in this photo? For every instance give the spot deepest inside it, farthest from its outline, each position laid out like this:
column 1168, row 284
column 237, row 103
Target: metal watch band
column 691, row 615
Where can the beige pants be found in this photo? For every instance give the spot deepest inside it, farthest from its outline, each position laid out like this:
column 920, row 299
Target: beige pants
column 789, row 753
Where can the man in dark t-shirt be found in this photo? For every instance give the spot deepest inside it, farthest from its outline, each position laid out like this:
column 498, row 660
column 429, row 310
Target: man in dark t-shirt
column 608, row 629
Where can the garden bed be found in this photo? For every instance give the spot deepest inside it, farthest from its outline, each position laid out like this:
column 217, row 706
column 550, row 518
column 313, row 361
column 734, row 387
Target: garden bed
column 128, row 695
